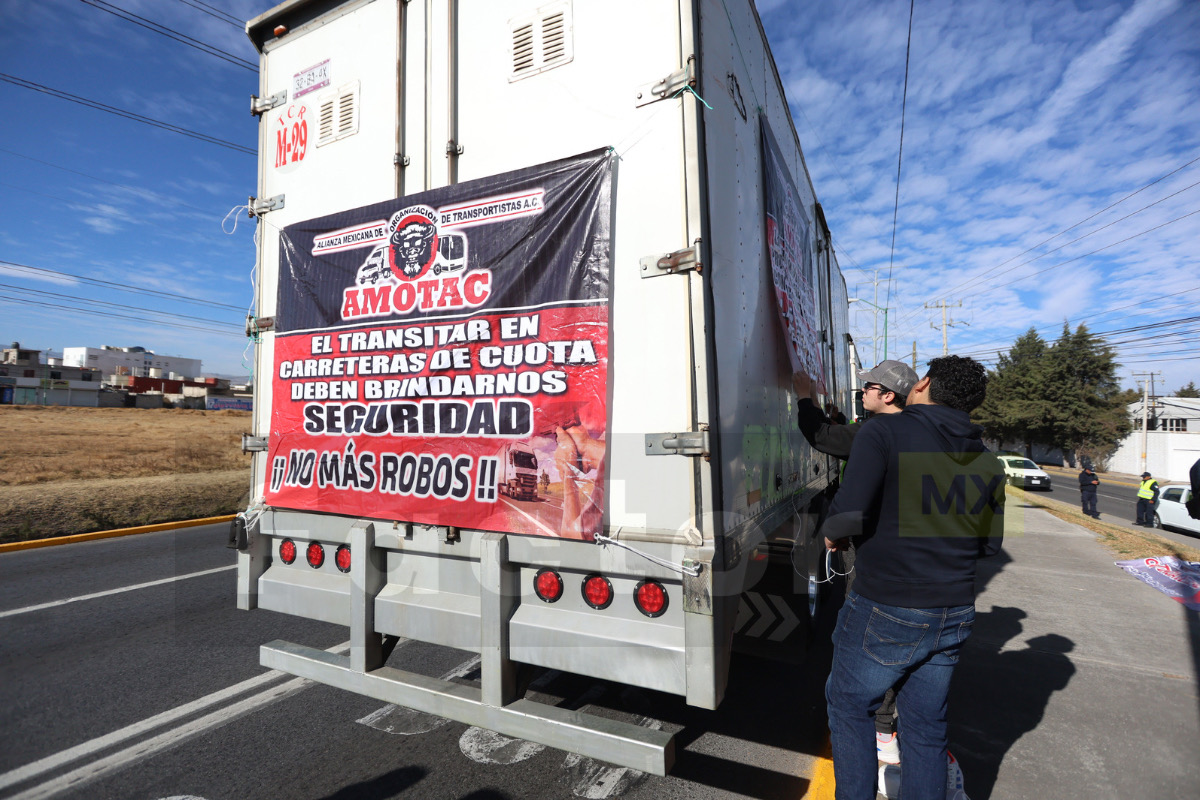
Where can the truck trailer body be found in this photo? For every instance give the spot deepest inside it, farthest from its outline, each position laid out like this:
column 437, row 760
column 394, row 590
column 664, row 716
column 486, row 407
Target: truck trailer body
column 591, row 223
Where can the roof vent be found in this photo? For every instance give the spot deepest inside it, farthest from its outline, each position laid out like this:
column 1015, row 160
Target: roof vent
column 541, row 41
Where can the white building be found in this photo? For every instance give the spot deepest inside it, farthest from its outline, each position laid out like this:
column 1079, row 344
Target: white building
column 25, row 380
column 1172, row 440
column 136, row 361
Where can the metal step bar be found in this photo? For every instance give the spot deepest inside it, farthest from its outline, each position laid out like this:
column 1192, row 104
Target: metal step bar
column 608, row 740
column 493, row 704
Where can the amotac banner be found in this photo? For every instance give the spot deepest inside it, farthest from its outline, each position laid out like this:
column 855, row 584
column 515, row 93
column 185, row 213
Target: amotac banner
column 789, row 245
column 442, row 358
column 1174, row 577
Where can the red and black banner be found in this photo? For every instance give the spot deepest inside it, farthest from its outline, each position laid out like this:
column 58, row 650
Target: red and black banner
column 442, row 358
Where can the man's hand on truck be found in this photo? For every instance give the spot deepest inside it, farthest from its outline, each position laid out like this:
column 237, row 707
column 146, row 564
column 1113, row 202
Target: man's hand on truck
column 804, row 386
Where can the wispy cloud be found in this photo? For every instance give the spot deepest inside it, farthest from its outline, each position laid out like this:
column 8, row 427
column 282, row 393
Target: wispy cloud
column 1023, row 119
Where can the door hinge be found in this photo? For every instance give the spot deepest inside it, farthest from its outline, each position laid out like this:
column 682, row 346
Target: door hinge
column 687, row 443
column 260, row 106
column 669, row 86
column 253, row 444
column 671, row 263
column 256, row 207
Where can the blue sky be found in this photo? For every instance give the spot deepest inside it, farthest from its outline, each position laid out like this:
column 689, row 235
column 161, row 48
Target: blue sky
column 1023, row 120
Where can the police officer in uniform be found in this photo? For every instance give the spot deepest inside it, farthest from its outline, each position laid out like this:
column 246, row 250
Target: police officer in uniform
column 1087, row 490
column 1147, row 500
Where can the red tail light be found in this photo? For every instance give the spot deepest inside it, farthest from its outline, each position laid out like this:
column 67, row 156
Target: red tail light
column 597, row 591
column 548, row 585
column 315, row 555
column 651, row 598
column 342, row 558
column 287, row 551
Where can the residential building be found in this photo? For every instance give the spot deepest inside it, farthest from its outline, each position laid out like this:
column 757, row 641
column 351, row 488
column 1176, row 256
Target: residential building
column 1172, row 439
column 25, row 380
column 135, row 362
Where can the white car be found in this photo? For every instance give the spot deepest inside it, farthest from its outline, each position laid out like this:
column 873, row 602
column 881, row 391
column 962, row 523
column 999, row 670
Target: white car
column 1024, row 473
column 1171, row 512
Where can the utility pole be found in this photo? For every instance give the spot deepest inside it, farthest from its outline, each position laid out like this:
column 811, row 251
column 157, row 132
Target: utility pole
column 1147, row 377
column 885, row 315
column 875, row 331
column 946, row 324
column 914, row 356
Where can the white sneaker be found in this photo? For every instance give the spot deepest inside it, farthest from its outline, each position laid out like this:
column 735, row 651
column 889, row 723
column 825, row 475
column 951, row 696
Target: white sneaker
column 954, row 779
column 889, row 781
column 887, row 747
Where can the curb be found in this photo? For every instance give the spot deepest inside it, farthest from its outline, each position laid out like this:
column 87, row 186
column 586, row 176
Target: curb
column 821, row 786
column 87, row 537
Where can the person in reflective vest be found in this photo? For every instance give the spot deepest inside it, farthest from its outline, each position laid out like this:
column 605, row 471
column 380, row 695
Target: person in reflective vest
column 1147, row 501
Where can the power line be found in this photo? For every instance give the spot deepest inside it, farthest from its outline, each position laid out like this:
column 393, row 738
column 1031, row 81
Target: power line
column 124, row 287
column 216, row 13
column 1150, row 326
column 120, row 112
column 1092, row 253
column 147, row 193
column 991, row 344
column 111, row 305
column 1160, row 179
column 24, row 301
column 173, row 34
column 1073, row 241
column 900, row 158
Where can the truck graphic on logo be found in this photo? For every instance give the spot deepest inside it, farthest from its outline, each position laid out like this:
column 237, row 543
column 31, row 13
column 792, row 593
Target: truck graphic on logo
column 414, row 248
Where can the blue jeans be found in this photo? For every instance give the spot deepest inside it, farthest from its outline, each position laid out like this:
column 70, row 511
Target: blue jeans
column 875, row 646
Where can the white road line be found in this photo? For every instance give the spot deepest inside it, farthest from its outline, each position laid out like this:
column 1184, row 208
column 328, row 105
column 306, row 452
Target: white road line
column 407, row 721
column 28, row 609
column 528, row 517
column 58, row 760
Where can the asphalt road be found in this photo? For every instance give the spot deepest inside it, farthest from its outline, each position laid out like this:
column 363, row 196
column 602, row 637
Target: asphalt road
column 117, row 689
column 1115, row 501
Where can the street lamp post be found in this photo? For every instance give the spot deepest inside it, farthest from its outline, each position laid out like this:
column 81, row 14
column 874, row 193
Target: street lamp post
column 885, row 316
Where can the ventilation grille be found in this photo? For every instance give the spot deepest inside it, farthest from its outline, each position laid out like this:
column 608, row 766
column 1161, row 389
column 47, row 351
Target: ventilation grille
column 338, row 114
column 541, row 41
column 523, row 49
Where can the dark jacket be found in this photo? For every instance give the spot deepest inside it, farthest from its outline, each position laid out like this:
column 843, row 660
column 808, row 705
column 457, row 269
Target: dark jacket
column 1085, row 482
column 823, row 435
column 1193, row 503
column 924, row 499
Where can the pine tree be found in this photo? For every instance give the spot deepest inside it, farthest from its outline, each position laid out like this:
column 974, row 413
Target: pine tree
column 1017, row 408
column 1188, row 391
column 1087, row 410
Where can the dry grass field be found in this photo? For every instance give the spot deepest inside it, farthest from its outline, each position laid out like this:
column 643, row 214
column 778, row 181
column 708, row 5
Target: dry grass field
column 74, row 470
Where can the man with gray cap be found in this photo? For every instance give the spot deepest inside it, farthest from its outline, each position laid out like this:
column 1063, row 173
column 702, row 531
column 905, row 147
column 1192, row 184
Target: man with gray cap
column 884, row 391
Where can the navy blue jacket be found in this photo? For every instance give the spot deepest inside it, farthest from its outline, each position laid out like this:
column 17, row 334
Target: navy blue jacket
column 924, row 499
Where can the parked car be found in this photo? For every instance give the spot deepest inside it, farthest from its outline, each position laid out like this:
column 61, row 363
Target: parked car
column 1022, row 472
column 1171, row 511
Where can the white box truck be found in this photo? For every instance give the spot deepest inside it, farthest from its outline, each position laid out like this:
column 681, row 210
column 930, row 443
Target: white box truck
column 519, row 471
column 584, row 228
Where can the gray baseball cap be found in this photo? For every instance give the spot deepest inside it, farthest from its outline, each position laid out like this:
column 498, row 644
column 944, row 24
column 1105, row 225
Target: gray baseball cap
column 895, row 376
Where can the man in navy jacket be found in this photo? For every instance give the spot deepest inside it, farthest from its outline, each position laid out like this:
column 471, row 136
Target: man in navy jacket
column 923, row 500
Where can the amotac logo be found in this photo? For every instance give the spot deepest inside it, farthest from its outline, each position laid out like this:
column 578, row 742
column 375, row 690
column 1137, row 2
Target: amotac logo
column 412, row 243
column 418, row 268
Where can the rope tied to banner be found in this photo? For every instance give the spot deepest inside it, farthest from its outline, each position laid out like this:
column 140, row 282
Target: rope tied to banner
column 693, row 571
column 689, row 88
